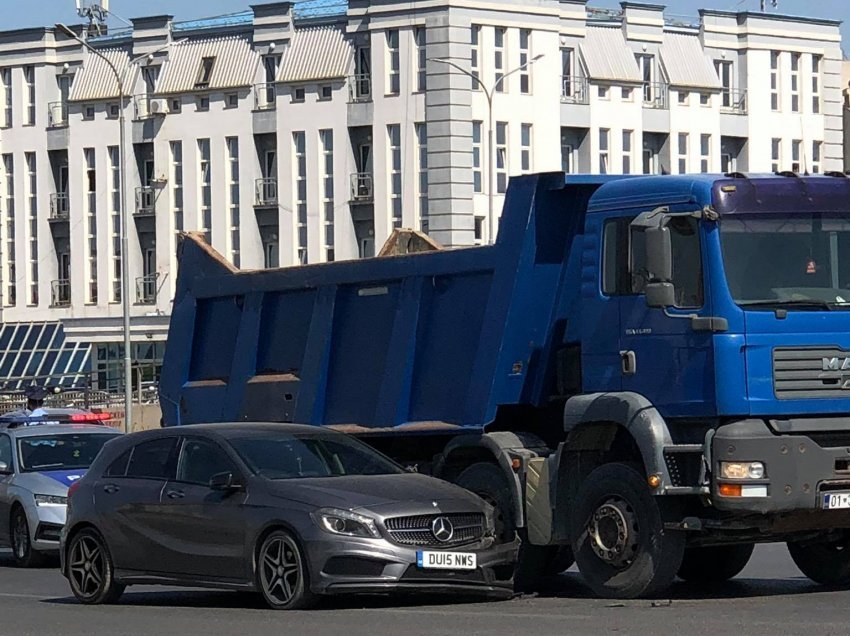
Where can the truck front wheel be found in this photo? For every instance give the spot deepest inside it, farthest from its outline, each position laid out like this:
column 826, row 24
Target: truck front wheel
column 827, row 563
column 715, row 564
column 619, row 541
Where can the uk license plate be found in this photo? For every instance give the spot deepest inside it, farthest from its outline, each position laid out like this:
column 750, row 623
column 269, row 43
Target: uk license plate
column 836, row 500
column 446, row 560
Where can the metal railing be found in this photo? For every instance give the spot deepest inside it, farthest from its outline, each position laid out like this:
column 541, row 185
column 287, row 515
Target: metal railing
column 266, row 191
column 360, row 88
column 264, row 96
column 362, row 186
column 147, row 288
column 57, row 114
column 60, row 206
column 733, row 101
column 656, row 95
column 145, row 201
column 60, row 295
column 574, row 90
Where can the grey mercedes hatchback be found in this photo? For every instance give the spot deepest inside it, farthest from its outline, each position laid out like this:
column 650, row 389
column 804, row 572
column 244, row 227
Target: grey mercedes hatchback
column 289, row 511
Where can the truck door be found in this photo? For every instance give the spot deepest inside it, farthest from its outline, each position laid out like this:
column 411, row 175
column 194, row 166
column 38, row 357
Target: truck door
column 662, row 357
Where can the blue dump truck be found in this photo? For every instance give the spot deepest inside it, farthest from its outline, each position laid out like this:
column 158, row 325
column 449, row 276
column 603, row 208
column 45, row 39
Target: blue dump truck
column 647, row 375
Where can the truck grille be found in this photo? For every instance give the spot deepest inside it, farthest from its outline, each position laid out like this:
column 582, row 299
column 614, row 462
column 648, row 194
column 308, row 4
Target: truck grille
column 806, row 373
column 417, row 530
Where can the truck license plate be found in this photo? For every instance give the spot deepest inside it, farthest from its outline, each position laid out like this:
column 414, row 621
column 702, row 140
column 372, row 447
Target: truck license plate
column 836, row 500
column 446, row 560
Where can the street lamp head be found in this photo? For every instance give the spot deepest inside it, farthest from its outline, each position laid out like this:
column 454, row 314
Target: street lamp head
column 65, row 30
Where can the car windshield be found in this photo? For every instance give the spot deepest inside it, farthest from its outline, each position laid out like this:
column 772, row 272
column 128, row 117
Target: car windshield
column 60, row 452
column 293, row 456
column 798, row 262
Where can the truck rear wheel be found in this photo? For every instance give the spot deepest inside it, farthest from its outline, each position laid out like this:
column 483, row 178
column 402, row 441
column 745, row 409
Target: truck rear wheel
column 715, row 564
column 619, row 541
column 827, row 563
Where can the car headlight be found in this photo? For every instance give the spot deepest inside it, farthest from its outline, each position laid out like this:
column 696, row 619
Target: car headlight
column 346, row 523
column 50, row 500
column 741, row 470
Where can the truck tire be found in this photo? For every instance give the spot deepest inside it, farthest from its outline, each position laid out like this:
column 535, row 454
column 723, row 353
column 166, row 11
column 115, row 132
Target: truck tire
column 619, row 541
column 489, row 482
column 827, row 563
column 715, row 564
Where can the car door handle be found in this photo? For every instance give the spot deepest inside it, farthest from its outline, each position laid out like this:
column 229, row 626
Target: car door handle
column 175, row 494
column 110, row 489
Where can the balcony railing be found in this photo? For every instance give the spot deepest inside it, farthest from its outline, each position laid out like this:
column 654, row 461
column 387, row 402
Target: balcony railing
column 361, row 186
column 145, row 202
column 574, row 90
column 60, row 292
column 147, row 288
column 733, row 101
column 57, row 114
column 60, row 207
column 264, row 96
column 656, row 95
column 360, row 88
column 266, row 191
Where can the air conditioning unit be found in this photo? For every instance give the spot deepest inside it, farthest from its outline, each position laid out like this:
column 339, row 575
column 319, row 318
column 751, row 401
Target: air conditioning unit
column 158, row 107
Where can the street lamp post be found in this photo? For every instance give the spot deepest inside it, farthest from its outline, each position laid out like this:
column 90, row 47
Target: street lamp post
column 489, row 94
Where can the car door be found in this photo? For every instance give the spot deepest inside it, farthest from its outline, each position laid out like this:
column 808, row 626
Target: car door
column 5, row 481
column 205, row 534
column 128, row 501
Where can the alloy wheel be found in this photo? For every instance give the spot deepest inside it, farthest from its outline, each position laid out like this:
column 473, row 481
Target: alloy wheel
column 280, row 569
column 87, row 567
column 20, row 536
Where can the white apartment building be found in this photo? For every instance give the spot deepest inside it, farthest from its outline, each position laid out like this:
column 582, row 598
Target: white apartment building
column 305, row 132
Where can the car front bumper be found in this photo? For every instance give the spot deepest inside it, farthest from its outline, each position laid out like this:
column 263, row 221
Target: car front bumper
column 46, row 523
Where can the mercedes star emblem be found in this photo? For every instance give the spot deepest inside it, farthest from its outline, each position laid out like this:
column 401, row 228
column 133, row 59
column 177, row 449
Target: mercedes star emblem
column 442, row 529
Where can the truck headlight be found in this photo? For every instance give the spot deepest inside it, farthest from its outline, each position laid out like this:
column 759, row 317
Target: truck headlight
column 346, row 523
column 741, row 470
column 50, row 500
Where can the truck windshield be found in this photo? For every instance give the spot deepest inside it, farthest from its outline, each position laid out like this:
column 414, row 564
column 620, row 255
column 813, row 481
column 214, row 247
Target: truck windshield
column 798, row 262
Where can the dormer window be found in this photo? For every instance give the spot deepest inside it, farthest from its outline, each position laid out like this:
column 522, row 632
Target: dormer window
column 205, row 72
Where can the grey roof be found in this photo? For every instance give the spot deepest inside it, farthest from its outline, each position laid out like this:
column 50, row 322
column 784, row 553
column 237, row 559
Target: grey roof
column 686, row 63
column 235, row 65
column 61, row 429
column 316, row 53
column 607, row 56
column 95, row 80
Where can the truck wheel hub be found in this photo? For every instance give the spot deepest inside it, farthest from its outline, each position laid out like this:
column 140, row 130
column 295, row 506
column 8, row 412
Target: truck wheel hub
column 613, row 532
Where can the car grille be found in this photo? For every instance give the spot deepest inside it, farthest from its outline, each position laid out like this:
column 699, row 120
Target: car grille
column 806, row 373
column 416, row 530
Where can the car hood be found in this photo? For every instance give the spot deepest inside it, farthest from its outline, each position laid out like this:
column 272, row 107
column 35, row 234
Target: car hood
column 49, row 482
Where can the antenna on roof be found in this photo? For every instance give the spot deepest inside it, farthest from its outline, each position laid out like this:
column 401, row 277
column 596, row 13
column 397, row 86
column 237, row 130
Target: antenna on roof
column 96, row 12
column 773, row 3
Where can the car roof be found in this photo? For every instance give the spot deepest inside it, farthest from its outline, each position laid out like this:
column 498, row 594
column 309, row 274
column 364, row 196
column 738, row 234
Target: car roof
column 34, row 430
column 225, row 429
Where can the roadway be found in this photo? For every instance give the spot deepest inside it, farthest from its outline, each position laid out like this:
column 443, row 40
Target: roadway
column 770, row 597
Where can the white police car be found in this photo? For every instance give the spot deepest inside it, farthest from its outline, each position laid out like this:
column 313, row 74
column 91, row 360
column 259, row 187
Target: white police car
column 42, row 453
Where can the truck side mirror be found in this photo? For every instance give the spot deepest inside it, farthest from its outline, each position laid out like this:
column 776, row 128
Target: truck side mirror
column 660, row 295
column 659, row 253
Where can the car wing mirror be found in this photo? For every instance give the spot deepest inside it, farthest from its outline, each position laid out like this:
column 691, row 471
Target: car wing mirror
column 5, row 469
column 224, row 482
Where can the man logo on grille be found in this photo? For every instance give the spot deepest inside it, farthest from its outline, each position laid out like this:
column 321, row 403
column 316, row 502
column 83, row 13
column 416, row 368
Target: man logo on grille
column 442, row 529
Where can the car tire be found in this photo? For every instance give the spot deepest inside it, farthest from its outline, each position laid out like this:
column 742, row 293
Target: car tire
column 282, row 575
column 827, row 563
column 619, row 540
column 24, row 554
column 90, row 570
column 714, row 564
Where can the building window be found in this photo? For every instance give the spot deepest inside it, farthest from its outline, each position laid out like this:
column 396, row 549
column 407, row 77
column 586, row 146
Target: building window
column 774, row 80
column 724, row 72
column 647, row 72
column 816, row 83
column 205, row 189
column 394, row 136
column 421, row 131
column 326, row 139
column 299, row 151
column 501, row 156
column 477, row 152
column 421, row 57
column 115, row 220
column 202, row 103
column 175, row 105
column 603, row 92
column 499, row 35
column 177, row 184
column 205, row 72
column 475, row 56
column 325, row 93
column 113, row 111
column 88, row 112
column 626, row 94
column 570, row 88
column 232, row 100
column 775, row 154
column 524, row 59
column 298, row 94
column 705, row 153
column 233, row 197
column 478, row 229
column 796, row 146
column 525, row 147
column 795, row 82
column 705, row 99
column 683, row 153
column 393, row 63
column 32, row 212
column 6, row 77
column 9, row 207
column 91, row 220
column 568, row 161
column 628, row 140
column 604, row 150
column 817, row 150
column 29, row 80
column 683, row 97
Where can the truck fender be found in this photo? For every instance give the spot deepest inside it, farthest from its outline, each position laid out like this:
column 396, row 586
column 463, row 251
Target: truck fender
column 500, row 446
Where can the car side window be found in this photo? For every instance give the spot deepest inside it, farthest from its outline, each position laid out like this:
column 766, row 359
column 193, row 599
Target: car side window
column 6, row 451
column 154, row 459
column 200, row 459
column 118, row 467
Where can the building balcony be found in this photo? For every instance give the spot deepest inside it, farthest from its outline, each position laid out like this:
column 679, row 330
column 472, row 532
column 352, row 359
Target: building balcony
column 733, row 101
column 145, row 202
column 360, row 88
column 147, row 288
column 266, row 192
column 656, row 95
column 264, row 96
column 362, row 187
column 60, row 295
column 574, row 90
column 60, row 206
column 57, row 115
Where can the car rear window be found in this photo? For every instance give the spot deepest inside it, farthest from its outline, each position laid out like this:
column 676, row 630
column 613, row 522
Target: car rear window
column 155, row 459
column 68, row 451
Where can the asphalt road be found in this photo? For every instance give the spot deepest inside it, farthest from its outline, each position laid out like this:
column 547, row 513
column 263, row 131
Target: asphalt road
column 770, row 597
